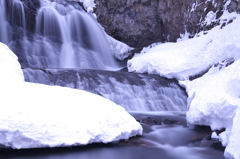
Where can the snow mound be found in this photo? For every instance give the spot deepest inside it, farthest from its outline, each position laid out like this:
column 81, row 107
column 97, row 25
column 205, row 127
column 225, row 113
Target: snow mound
column 216, row 102
column 10, row 69
column 191, row 57
column 35, row 115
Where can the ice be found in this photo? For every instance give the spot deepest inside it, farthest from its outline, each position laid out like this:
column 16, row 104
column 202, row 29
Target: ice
column 120, row 50
column 35, row 115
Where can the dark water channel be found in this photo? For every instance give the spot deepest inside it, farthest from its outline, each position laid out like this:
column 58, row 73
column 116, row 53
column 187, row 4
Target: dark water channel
column 166, row 136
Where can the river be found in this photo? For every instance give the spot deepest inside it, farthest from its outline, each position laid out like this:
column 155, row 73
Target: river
column 166, row 136
column 58, row 43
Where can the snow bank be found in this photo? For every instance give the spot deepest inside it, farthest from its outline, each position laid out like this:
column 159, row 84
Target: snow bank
column 34, row 115
column 214, row 98
column 216, row 102
column 10, row 69
column 190, row 57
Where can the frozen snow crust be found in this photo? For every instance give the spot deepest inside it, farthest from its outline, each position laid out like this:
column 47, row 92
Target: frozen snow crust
column 35, row 115
column 214, row 98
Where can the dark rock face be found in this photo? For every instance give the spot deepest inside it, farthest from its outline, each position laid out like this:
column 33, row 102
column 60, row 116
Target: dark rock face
column 142, row 22
column 130, row 21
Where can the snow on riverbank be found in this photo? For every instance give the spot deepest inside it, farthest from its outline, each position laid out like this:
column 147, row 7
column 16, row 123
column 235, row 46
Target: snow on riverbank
column 214, row 98
column 35, row 115
column 190, row 57
column 10, row 69
column 216, row 102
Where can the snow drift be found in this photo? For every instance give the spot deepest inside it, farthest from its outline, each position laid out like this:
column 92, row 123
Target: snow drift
column 35, row 115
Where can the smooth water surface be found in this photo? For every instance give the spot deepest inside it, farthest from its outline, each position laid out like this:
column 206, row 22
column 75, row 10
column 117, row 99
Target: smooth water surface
column 166, row 136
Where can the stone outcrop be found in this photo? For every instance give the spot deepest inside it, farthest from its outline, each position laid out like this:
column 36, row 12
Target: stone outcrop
column 142, row 22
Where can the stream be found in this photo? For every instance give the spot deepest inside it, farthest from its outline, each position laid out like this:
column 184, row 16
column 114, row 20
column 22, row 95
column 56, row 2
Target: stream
column 166, row 136
column 58, row 43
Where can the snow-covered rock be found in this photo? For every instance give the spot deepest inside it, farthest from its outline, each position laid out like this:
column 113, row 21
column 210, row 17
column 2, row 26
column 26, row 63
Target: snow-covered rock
column 35, row 115
column 119, row 49
column 188, row 58
column 88, row 4
column 214, row 98
column 10, row 69
column 215, row 101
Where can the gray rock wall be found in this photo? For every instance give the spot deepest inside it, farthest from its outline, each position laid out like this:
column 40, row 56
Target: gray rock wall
column 142, row 22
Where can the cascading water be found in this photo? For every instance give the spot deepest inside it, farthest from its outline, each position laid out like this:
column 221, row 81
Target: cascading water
column 4, row 32
column 59, row 34
column 47, row 34
column 64, row 36
column 134, row 92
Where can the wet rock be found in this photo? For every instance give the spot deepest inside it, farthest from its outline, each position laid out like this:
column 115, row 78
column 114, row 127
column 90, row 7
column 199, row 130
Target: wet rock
column 130, row 90
column 131, row 20
column 156, row 121
column 142, row 22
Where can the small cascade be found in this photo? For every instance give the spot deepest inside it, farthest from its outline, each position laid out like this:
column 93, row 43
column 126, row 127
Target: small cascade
column 134, row 92
column 4, row 32
column 17, row 19
column 64, row 36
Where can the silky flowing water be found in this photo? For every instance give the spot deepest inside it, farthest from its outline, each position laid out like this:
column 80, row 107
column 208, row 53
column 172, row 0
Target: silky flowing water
column 58, row 43
column 166, row 136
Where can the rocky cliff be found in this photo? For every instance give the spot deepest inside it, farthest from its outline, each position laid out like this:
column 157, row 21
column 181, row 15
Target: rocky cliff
column 142, row 22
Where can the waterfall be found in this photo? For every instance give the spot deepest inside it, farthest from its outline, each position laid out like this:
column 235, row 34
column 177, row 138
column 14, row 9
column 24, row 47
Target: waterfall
column 64, row 36
column 58, row 43
column 135, row 92
column 4, row 36
column 17, row 18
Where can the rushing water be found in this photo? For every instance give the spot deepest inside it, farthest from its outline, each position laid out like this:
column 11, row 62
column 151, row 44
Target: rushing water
column 51, row 37
column 135, row 92
column 63, row 36
column 4, row 25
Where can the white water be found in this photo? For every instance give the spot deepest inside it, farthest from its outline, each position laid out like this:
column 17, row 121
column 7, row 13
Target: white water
column 65, row 37
column 4, row 25
column 132, row 91
column 59, row 45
